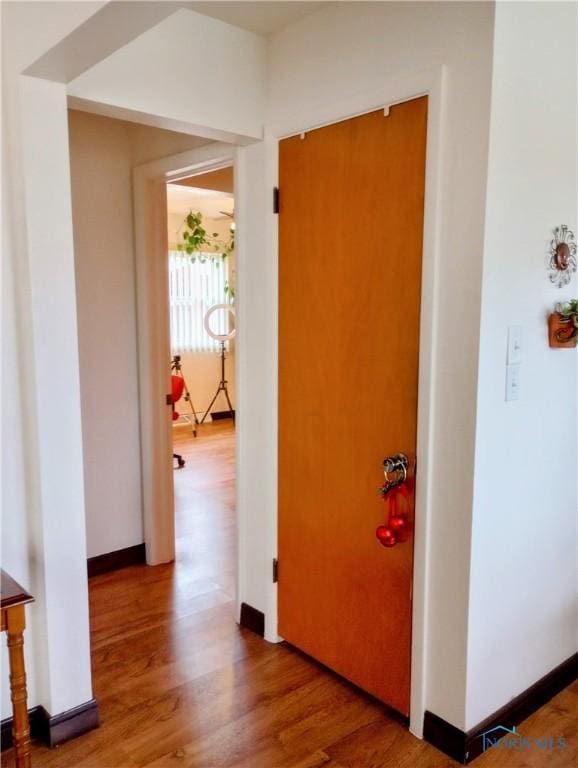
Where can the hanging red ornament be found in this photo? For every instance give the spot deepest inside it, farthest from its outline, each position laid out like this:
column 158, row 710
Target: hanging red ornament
column 397, row 523
column 385, row 536
column 397, row 495
column 389, row 507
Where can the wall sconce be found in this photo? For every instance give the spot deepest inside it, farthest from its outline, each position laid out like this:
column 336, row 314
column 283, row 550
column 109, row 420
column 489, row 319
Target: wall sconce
column 562, row 256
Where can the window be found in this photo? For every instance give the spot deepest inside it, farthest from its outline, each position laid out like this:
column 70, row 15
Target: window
column 194, row 287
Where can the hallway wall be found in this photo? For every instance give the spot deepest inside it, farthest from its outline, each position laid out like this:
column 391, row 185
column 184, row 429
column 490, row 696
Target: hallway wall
column 524, row 538
column 177, row 83
column 103, row 152
column 43, row 520
column 43, row 539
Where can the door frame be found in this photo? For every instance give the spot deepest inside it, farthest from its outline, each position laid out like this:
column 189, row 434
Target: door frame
column 431, row 83
column 160, row 546
column 153, row 332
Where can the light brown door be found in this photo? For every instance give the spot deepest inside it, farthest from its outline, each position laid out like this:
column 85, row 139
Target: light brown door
column 350, row 235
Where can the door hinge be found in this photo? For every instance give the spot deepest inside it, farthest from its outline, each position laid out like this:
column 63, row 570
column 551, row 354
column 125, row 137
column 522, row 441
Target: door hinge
column 275, row 199
column 169, row 399
column 275, row 570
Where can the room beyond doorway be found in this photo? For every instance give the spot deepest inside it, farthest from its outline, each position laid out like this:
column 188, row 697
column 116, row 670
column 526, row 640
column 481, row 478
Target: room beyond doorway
column 201, row 295
column 201, row 240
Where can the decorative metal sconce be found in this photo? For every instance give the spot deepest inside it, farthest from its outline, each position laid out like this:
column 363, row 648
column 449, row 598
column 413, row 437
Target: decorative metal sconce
column 562, row 253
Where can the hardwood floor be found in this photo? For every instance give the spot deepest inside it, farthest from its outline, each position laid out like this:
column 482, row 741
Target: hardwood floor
column 179, row 684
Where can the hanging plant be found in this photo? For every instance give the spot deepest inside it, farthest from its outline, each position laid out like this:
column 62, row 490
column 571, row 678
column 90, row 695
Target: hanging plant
column 198, row 243
column 230, row 290
column 563, row 325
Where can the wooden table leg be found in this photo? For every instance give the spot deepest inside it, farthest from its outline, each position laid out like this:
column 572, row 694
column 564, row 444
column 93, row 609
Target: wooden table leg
column 15, row 622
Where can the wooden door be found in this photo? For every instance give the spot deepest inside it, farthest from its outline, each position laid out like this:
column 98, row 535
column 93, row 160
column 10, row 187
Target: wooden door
column 350, row 236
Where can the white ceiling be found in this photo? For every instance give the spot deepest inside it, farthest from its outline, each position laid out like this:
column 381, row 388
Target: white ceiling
column 118, row 22
column 263, row 18
column 181, row 200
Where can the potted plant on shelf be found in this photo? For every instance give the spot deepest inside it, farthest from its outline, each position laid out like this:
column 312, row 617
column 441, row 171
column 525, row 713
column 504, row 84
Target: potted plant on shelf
column 563, row 325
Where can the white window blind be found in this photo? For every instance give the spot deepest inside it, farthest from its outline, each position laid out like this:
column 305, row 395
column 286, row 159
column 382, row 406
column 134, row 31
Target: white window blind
column 194, row 287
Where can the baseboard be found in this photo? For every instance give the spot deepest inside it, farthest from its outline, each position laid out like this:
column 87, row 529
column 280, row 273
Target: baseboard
column 37, row 717
column 112, row 561
column 252, row 619
column 56, row 729
column 444, row 736
column 72, row 723
column 220, row 415
column 466, row 746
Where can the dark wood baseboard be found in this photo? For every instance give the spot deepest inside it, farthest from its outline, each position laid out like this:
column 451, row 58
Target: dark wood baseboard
column 37, row 717
column 72, row 723
column 219, row 415
column 252, row 619
column 56, row 729
column 466, row 746
column 112, row 561
column 444, row 736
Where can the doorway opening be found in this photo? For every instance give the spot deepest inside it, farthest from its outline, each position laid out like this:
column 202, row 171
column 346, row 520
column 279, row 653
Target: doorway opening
column 201, row 305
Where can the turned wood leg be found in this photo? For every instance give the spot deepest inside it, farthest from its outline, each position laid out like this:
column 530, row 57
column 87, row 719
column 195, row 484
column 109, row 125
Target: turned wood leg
column 15, row 623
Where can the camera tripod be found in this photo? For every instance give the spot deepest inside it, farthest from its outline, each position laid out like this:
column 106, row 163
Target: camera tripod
column 177, row 368
column 221, row 388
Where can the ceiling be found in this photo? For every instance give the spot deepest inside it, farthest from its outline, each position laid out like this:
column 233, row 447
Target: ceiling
column 181, row 200
column 118, row 22
column 221, row 180
column 263, row 18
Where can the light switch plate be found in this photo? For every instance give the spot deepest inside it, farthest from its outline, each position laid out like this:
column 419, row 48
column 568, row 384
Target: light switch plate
column 514, row 344
column 512, row 382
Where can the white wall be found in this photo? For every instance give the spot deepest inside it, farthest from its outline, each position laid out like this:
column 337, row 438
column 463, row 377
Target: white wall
column 43, row 543
column 523, row 609
column 103, row 152
column 339, row 52
column 189, row 68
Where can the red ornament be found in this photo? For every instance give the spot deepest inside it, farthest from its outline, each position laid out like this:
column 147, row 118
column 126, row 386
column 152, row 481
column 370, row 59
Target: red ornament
column 386, row 536
column 397, row 524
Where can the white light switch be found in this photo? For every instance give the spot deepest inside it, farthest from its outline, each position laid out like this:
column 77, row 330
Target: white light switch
column 514, row 344
column 512, row 382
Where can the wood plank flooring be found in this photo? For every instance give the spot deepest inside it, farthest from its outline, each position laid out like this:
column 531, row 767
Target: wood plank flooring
column 179, row 684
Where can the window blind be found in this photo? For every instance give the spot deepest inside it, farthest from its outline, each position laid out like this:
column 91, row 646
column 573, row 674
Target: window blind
column 194, row 287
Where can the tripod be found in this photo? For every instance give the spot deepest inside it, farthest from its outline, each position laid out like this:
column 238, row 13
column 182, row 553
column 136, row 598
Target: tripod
column 221, row 388
column 177, row 368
